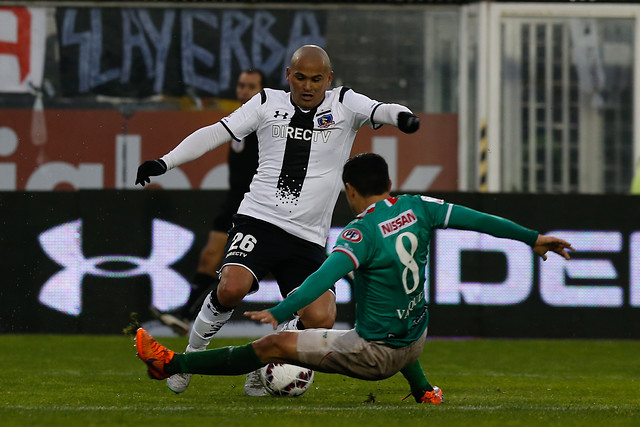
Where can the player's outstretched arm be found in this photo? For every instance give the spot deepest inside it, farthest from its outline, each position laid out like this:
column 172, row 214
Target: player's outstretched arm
column 545, row 244
column 193, row 146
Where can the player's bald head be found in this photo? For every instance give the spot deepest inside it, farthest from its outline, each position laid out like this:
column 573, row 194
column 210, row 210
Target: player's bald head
column 309, row 76
column 313, row 54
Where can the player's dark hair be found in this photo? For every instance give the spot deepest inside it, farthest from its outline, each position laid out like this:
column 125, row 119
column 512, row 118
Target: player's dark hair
column 368, row 173
column 263, row 77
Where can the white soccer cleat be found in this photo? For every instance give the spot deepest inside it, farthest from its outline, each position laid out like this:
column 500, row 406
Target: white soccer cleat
column 253, row 384
column 178, row 383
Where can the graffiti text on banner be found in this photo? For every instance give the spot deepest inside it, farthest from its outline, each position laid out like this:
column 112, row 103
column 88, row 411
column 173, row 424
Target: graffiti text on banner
column 137, row 52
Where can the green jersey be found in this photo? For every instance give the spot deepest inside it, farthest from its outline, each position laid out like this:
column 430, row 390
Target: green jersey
column 389, row 245
column 387, row 248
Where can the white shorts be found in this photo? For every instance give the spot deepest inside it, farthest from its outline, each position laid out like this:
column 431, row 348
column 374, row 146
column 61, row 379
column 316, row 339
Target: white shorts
column 346, row 353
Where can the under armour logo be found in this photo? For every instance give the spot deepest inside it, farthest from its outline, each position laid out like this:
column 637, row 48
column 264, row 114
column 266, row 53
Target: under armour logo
column 63, row 244
column 284, row 115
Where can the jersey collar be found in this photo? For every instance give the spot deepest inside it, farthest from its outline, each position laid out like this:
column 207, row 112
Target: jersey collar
column 390, row 201
column 314, row 109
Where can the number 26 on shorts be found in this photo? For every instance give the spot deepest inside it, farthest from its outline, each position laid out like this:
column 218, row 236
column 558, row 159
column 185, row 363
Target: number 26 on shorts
column 245, row 243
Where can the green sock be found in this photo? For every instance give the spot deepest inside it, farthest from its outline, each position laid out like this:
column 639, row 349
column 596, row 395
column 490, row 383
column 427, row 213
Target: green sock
column 219, row 361
column 417, row 381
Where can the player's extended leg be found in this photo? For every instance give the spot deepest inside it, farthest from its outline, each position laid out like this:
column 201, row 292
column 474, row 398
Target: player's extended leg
column 352, row 356
column 235, row 283
column 162, row 362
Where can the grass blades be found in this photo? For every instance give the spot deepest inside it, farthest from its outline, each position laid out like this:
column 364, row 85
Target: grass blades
column 52, row 380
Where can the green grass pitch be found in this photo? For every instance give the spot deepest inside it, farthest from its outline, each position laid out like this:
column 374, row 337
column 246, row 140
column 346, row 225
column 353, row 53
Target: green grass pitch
column 97, row 381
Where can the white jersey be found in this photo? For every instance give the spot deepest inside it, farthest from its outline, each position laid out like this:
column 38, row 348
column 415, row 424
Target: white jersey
column 301, row 155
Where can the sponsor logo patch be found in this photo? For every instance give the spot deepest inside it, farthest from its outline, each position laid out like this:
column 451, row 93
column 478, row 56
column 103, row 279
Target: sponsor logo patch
column 352, row 235
column 393, row 225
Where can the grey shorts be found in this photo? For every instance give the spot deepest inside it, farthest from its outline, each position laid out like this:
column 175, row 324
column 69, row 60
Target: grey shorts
column 346, row 353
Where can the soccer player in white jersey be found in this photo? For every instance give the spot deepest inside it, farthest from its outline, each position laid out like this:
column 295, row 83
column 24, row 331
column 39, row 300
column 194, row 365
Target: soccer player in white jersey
column 387, row 248
column 304, row 138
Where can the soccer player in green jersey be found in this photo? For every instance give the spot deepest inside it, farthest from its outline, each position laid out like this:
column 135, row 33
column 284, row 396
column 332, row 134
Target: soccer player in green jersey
column 386, row 247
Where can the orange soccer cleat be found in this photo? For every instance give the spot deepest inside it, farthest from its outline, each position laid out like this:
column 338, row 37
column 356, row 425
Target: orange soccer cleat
column 156, row 356
column 434, row 396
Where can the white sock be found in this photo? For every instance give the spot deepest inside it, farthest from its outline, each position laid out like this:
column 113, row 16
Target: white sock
column 207, row 323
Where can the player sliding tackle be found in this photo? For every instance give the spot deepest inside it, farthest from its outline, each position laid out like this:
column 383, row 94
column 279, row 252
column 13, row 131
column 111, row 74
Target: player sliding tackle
column 386, row 246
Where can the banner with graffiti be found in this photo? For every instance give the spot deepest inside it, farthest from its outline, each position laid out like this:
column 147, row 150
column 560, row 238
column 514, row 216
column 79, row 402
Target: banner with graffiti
column 22, row 48
column 138, row 52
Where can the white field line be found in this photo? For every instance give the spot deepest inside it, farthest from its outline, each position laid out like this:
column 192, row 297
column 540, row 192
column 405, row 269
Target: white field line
column 299, row 408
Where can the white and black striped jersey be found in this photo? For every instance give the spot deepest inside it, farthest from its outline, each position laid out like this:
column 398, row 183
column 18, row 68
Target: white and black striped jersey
column 301, row 154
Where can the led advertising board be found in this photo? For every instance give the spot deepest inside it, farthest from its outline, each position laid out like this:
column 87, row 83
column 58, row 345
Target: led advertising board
column 82, row 262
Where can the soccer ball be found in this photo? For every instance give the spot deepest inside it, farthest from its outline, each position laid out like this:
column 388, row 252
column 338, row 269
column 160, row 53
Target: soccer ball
column 286, row 380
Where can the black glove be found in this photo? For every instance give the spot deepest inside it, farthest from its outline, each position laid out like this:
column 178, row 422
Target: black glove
column 407, row 122
column 150, row 168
